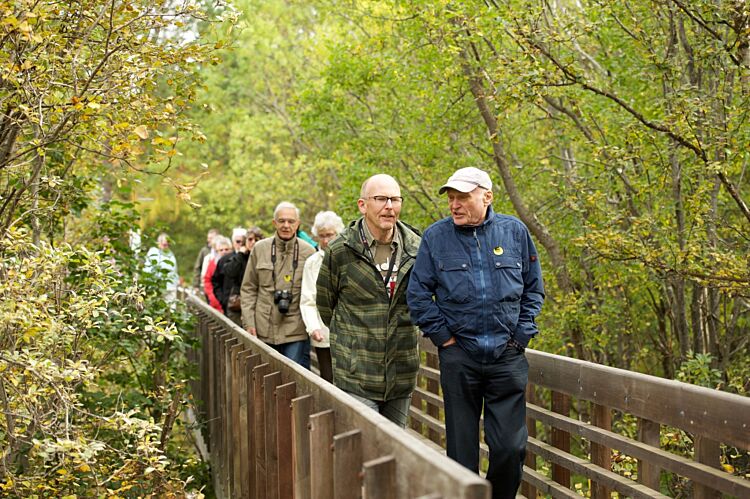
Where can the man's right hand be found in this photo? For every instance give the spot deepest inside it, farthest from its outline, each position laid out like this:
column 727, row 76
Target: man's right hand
column 317, row 335
column 252, row 331
column 450, row 342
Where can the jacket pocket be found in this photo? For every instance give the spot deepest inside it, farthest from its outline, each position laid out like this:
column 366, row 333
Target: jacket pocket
column 265, row 275
column 508, row 278
column 456, row 279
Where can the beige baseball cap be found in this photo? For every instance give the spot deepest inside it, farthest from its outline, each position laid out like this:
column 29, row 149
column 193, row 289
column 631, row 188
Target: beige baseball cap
column 468, row 179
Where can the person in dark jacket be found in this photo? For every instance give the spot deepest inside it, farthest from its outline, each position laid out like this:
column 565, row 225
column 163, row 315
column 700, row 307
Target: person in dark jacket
column 361, row 297
column 232, row 271
column 475, row 291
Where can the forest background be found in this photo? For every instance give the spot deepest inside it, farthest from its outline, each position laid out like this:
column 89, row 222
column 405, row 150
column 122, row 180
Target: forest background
column 616, row 130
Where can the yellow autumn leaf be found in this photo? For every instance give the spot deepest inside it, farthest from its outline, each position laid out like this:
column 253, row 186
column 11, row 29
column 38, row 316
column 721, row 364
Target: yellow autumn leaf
column 728, row 468
column 141, row 131
column 84, row 468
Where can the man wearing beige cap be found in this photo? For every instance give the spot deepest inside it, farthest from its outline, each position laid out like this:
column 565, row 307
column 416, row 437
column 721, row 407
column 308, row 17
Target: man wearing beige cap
column 474, row 291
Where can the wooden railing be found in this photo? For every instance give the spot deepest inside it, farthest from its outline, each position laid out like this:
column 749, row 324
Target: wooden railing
column 661, row 407
column 276, row 430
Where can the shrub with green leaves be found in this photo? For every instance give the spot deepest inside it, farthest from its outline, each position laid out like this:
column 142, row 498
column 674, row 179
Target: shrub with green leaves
column 93, row 374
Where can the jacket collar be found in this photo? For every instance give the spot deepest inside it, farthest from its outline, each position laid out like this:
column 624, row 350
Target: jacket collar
column 282, row 245
column 409, row 237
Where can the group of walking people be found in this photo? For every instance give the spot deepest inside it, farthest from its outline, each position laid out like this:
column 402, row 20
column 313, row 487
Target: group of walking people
column 362, row 293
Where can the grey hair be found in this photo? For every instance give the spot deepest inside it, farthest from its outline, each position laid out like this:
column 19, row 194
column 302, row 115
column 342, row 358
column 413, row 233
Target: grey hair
column 222, row 241
column 163, row 237
column 284, row 205
column 327, row 220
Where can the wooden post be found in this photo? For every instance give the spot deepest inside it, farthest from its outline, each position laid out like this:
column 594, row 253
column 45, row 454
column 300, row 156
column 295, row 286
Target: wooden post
column 259, row 437
column 601, row 416
column 648, row 433
column 380, row 478
column 284, row 395
column 527, row 489
column 253, row 360
column 561, row 439
column 433, row 386
column 234, row 427
column 708, row 452
column 321, row 463
column 347, row 465
column 270, row 382
column 302, row 407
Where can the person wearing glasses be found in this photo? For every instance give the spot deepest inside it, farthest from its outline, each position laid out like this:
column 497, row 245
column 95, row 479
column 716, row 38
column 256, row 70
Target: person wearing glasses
column 270, row 291
column 361, row 297
column 475, row 291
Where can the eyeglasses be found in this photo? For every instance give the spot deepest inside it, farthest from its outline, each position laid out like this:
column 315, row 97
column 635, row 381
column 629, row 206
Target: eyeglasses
column 285, row 221
column 238, row 241
column 380, row 200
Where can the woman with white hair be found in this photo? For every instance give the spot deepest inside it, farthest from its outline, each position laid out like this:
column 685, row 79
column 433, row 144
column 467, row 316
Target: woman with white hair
column 326, row 227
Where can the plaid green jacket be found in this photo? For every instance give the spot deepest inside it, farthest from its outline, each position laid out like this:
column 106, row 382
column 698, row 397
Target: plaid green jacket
column 373, row 341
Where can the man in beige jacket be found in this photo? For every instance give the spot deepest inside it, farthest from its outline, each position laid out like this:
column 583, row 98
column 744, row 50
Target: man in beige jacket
column 271, row 288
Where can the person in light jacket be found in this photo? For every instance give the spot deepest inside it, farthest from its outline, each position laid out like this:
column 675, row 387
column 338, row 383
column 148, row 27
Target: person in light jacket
column 270, row 291
column 326, row 227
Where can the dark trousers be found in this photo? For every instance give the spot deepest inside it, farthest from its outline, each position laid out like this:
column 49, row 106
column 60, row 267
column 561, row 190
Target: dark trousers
column 325, row 365
column 500, row 387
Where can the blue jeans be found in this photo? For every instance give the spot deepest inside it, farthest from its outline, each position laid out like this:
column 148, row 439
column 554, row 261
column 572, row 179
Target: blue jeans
column 397, row 410
column 298, row 351
column 500, row 387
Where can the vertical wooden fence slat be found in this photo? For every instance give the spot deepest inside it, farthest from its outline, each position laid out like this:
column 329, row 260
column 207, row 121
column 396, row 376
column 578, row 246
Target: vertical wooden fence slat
column 253, row 360
column 380, row 478
column 561, row 439
column 270, row 382
column 527, row 489
column 210, row 355
column 347, row 465
column 321, row 468
column 234, row 410
column 259, row 437
column 284, row 395
column 648, row 433
column 302, row 407
column 707, row 452
column 601, row 416
column 433, row 386
column 241, row 434
column 226, row 342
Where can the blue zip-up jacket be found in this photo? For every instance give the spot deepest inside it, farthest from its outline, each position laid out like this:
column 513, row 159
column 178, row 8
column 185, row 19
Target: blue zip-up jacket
column 481, row 284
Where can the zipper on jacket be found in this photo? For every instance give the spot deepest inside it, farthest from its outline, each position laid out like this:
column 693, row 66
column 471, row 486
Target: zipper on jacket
column 485, row 336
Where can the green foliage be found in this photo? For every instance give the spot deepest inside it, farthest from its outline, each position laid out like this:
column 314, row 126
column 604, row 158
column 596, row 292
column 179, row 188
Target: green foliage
column 92, row 371
column 697, row 369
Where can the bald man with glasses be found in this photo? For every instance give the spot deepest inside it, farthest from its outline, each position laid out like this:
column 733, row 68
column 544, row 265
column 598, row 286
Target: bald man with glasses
column 361, row 297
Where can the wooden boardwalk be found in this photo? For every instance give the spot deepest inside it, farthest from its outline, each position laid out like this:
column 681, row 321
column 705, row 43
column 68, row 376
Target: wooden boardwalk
column 276, row 430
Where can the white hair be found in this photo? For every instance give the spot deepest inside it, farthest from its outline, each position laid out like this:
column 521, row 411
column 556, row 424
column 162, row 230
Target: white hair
column 327, row 220
column 239, row 232
column 285, row 205
column 221, row 241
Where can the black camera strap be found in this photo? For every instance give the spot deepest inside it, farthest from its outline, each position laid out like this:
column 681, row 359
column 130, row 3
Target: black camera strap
column 295, row 261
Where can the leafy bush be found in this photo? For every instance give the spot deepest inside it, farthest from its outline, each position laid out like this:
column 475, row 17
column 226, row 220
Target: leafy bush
column 93, row 374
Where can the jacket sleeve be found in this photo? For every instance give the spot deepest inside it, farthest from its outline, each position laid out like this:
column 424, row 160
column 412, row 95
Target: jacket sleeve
column 327, row 287
column 307, row 305
column 533, row 293
column 420, row 296
column 249, row 292
column 217, row 281
column 209, row 287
